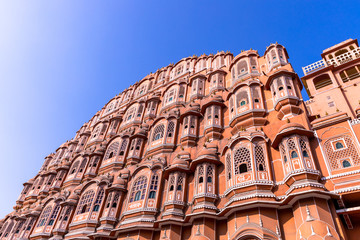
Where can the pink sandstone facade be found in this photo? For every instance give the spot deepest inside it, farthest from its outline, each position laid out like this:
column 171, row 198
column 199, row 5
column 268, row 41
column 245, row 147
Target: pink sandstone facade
column 212, row 147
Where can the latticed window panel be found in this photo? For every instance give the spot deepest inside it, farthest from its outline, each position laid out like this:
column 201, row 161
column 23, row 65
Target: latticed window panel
column 201, row 170
column 334, row 157
column 86, row 199
column 291, row 144
column 210, row 171
column 100, row 196
column 54, row 214
column 171, row 129
column 260, row 158
column 242, row 155
column 139, row 185
column 83, row 165
column 108, row 201
column 283, row 152
column 303, row 145
column 154, row 182
column 158, row 132
column 228, row 166
column 113, row 148
column 180, row 179
column 44, row 216
column 242, row 96
column 123, row 146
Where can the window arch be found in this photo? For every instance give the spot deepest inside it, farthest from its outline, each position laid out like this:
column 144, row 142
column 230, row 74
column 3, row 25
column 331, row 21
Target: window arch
column 228, row 166
column 242, row 160
column 346, row 164
column 124, row 144
column 44, row 216
column 83, row 165
column 294, row 154
column 158, row 132
column 112, row 150
column 74, row 168
column 153, row 185
column 322, row 81
column 170, row 129
column 335, row 155
column 85, row 202
column 96, row 132
column 260, row 158
column 139, row 189
column 54, row 215
column 98, row 200
column 339, row 145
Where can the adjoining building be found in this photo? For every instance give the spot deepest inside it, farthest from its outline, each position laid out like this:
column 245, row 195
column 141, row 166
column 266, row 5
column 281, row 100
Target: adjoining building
column 212, row 147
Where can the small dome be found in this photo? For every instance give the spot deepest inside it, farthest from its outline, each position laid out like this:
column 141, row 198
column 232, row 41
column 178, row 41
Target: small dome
column 179, row 161
column 118, row 181
column 124, row 171
column 73, row 196
column 290, row 125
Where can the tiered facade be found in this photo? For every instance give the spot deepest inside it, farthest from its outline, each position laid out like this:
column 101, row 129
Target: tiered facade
column 213, row 147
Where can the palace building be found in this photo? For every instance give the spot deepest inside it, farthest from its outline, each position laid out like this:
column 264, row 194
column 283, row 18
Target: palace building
column 216, row 147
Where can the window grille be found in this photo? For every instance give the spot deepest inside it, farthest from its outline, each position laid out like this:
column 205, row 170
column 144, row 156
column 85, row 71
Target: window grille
column 242, row 155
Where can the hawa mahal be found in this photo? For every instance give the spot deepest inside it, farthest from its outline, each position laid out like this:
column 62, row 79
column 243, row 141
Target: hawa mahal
column 214, row 147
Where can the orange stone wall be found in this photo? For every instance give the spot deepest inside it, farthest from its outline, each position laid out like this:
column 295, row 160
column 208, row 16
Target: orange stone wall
column 212, row 147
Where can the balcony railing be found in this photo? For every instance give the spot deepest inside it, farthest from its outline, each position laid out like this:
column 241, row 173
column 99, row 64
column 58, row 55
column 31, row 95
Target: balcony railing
column 338, row 60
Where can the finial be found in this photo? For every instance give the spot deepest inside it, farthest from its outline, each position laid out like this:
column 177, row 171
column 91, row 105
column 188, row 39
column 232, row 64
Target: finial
column 312, row 230
column 198, row 230
column 328, row 232
column 309, row 218
column 165, row 234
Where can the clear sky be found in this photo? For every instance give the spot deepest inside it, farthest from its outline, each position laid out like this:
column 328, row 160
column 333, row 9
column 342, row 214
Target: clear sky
column 61, row 61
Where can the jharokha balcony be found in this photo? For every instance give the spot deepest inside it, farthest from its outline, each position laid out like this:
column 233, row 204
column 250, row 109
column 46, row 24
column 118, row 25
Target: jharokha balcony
column 335, row 61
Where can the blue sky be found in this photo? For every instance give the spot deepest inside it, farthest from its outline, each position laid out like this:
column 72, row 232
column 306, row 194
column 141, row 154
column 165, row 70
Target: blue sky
column 61, row 61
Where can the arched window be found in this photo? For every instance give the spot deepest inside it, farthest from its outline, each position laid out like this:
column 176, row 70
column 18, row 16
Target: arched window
column 242, row 156
column 116, row 199
column 322, row 81
column 85, row 202
column 112, row 150
column 83, row 165
column 152, row 194
column 346, row 164
column 98, row 200
column 139, row 188
column 123, row 146
column 243, row 168
column 76, row 164
column 44, row 216
column 259, row 158
column 158, row 132
column 349, row 152
column 339, row 145
column 54, row 214
column 137, row 196
column 154, row 185
column 305, row 153
column 96, row 132
column 171, row 129
column 201, row 179
column 294, row 154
